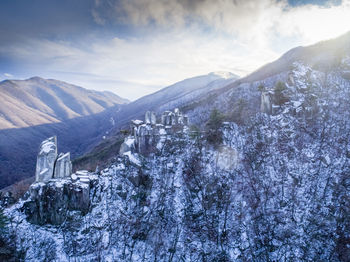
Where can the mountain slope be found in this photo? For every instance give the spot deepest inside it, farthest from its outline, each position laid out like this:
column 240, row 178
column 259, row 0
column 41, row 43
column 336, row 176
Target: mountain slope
column 321, row 56
column 34, row 109
column 238, row 99
column 38, row 101
column 168, row 98
column 241, row 99
column 275, row 189
column 175, row 95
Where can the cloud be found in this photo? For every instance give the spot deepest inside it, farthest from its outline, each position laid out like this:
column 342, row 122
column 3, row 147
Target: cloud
column 154, row 61
column 248, row 20
column 145, row 45
column 7, row 75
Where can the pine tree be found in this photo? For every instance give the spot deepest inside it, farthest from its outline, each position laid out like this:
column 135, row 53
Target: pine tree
column 213, row 125
column 280, row 97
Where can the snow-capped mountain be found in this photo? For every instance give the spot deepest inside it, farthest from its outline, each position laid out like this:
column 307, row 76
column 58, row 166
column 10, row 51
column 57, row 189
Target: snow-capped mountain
column 273, row 187
column 175, row 95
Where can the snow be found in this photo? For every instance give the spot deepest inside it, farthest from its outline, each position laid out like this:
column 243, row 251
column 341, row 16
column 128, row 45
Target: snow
column 133, row 158
column 266, row 184
column 297, row 104
column 162, row 131
column 47, row 147
column 63, row 156
column 137, row 122
column 129, row 141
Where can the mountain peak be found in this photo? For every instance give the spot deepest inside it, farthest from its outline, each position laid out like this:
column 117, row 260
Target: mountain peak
column 36, row 78
column 224, row 74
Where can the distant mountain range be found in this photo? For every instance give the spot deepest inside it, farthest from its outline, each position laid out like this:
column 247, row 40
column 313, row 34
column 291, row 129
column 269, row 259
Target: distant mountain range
column 176, row 95
column 37, row 101
column 34, row 109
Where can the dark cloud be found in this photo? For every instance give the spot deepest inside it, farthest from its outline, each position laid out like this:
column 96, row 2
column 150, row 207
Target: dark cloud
column 41, row 18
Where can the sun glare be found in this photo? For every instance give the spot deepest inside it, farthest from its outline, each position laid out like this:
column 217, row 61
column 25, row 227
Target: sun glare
column 320, row 23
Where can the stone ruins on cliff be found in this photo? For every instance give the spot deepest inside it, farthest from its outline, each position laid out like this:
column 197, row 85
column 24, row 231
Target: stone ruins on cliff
column 50, row 165
column 149, row 136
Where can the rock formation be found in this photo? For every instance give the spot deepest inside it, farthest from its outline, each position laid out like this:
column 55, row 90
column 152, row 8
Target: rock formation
column 49, row 203
column 149, row 136
column 266, row 103
column 63, row 167
column 150, row 118
column 46, row 160
column 49, row 165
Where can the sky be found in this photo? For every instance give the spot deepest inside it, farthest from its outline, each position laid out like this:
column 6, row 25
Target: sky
column 136, row 47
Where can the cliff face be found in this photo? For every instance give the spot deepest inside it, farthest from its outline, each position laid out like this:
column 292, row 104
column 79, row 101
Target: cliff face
column 49, row 203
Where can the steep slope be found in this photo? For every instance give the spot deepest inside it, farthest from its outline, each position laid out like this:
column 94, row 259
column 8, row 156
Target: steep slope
column 38, row 101
column 241, row 99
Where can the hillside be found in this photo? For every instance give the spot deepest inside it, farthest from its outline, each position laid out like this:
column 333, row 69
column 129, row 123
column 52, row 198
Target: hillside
column 37, row 101
column 177, row 95
column 33, row 109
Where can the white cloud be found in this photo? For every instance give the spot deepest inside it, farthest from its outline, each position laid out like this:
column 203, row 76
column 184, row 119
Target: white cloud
column 192, row 38
column 248, row 20
column 8, row 75
column 155, row 61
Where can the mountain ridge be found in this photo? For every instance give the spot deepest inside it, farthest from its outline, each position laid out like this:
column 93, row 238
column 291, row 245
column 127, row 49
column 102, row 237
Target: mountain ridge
column 38, row 101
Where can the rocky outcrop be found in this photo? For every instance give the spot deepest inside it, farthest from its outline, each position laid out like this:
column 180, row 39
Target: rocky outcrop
column 49, row 202
column 49, row 165
column 56, row 190
column 46, row 159
column 266, row 103
column 149, row 136
column 63, row 167
column 150, row 118
column 174, row 118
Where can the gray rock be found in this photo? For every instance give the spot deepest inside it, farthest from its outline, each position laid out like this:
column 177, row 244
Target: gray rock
column 266, row 104
column 63, row 166
column 127, row 145
column 150, row 118
column 46, row 160
column 50, row 202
